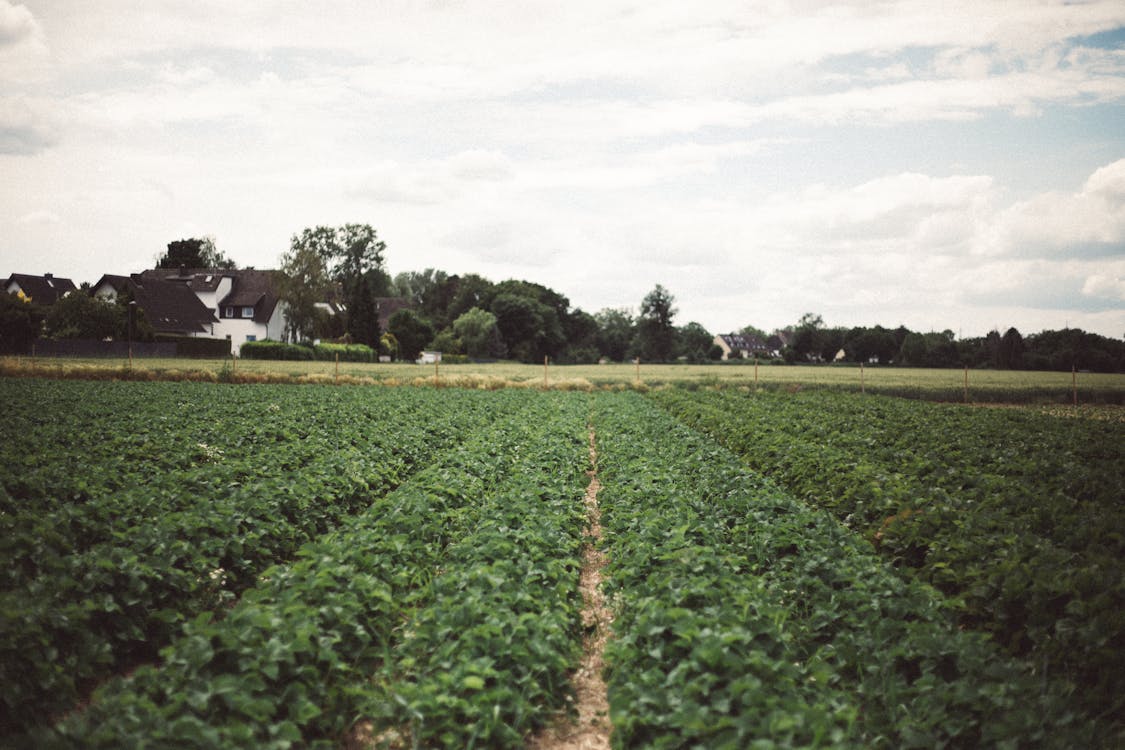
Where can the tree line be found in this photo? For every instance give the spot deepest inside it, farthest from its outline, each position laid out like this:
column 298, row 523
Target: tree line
column 475, row 317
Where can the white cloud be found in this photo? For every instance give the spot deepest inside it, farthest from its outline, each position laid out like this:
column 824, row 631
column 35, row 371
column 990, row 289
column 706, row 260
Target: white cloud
column 39, row 217
column 1090, row 222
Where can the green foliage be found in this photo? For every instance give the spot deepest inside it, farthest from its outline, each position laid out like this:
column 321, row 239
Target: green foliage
column 479, row 335
column 292, row 661
column 194, row 253
column 745, row 618
column 198, row 490
column 305, row 282
column 411, row 333
column 345, row 352
column 266, row 349
column 20, row 322
column 655, row 332
column 1014, row 515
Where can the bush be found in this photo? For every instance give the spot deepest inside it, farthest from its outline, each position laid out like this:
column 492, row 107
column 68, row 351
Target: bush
column 275, row 350
column 347, row 352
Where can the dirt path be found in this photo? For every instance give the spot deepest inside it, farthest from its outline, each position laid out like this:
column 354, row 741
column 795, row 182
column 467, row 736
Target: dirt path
column 592, row 728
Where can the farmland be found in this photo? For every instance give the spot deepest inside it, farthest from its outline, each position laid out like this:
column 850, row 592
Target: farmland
column 279, row 566
column 984, row 386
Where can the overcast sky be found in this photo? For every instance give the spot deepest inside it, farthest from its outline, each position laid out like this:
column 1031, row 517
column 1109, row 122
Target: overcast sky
column 897, row 162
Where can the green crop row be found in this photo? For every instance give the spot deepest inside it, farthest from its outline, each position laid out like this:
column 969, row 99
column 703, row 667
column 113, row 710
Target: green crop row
column 744, row 619
column 486, row 662
column 147, row 559
column 951, row 496
column 297, row 659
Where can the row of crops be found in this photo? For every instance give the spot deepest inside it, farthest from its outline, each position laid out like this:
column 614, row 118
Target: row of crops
column 1017, row 517
column 273, row 566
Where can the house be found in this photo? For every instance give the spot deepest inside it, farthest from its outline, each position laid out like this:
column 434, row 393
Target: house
column 245, row 302
column 737, row 345
column 169, row 308
column 42, row 290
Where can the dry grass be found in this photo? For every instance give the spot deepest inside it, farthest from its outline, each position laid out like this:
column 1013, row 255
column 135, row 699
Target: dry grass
column 948, row 385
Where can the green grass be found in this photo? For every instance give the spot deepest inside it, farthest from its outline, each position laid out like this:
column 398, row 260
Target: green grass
column 984, row 386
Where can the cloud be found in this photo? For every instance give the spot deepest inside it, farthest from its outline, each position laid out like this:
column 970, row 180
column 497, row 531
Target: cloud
column 39, row 217
column 25, row 128
column 1088, row 223
column 17, row 25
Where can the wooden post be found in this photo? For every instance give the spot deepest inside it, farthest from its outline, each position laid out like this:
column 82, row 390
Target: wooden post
column 437, row 372
column 862, row 384
column 755, row 373
column 966, row 384
column 1074, row 382
column 637, row 361
column 337, row 367
column 545, row 383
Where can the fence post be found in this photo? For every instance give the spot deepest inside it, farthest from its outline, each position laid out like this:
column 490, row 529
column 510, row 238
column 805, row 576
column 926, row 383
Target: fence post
column 545, row 383
column 337, row 367
column 862, row 384
column 966, row 384
column 1074, row 382
column 755, row 373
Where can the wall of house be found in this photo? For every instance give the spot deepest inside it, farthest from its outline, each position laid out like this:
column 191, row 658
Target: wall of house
column 211, row 299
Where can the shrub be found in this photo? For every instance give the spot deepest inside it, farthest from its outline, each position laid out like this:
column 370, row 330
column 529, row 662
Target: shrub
column 275, row 350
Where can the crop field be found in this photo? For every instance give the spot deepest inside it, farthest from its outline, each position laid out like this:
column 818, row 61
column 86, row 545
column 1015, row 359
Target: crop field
column 983, row 386
column 216, row 565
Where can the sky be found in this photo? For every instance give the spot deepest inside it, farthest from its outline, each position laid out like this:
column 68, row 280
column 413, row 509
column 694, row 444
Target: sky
column 939, row 165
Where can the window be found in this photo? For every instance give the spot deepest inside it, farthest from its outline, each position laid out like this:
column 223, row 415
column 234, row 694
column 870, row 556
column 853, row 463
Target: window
column 230, row 313
column 247, row 312
column 251, row 337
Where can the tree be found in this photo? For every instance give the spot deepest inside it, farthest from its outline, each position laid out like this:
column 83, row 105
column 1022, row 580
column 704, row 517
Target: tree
column 197, row 252
column 615, row 333
column 304, row 283
column 351, row 256
column 1011, row 350
column 20, row 322
column 81, row 316
column 655, row 331
column 411, row 331
column 693, row 342
column 480, row 337
column 807, row 339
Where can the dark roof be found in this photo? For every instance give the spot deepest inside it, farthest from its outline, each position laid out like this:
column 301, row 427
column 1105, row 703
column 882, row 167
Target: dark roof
column 249, row 287
column 740, row 342
column 43, row 290
column 168, row 307
column 388, row 306
column 257, row 289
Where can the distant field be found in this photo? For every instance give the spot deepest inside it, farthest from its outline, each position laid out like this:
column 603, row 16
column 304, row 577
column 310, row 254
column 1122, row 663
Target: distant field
column 946, row 385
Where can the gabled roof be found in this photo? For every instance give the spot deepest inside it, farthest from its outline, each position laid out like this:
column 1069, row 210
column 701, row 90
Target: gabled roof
column 740, row 342
column 249, row 287
column 43, row 290
column 168, row 307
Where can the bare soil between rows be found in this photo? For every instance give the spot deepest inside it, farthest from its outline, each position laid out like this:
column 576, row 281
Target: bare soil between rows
column 588, row 727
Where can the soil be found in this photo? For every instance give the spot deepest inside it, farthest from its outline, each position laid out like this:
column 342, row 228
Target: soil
column 590, row 729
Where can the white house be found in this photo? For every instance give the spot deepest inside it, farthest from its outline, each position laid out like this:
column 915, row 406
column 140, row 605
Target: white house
column 245, row 301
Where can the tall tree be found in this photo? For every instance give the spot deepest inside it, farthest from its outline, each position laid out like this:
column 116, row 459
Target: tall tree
column 411, row 331
column 615, row 333
column 197, row 252
column 479, row 335
column 352, row 257
column 693, row 342
column 304, row 283
column 656, row 333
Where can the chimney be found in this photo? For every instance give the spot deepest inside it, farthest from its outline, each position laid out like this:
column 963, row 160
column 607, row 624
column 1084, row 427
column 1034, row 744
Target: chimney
column 48, row 276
